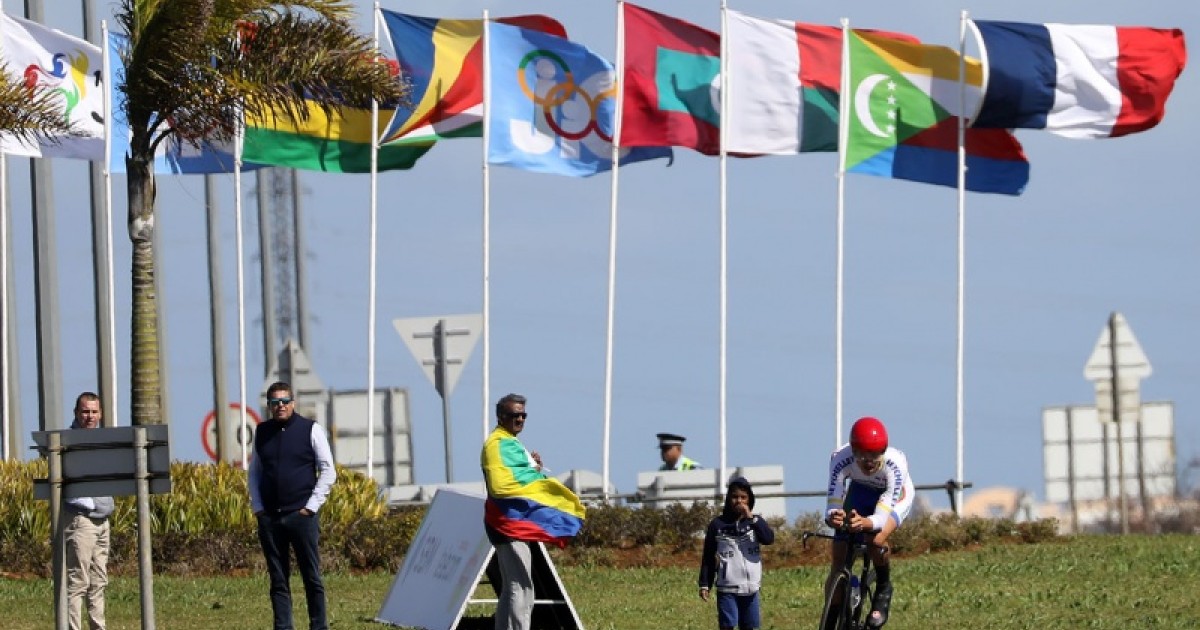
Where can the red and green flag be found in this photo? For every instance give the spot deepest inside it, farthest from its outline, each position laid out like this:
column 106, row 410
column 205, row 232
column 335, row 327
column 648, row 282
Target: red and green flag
column 671, row 89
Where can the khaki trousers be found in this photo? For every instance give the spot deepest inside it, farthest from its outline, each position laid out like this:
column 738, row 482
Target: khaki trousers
column 87, row 570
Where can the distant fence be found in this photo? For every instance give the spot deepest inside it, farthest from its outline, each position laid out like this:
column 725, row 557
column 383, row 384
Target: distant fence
column 949, row 487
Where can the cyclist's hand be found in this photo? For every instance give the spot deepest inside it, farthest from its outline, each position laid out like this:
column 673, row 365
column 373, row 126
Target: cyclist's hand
column 835, row 518
column 703, row 593
column 860, row 523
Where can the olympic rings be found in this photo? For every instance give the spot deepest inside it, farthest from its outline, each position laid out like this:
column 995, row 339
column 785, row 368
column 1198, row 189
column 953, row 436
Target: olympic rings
column 561, row 93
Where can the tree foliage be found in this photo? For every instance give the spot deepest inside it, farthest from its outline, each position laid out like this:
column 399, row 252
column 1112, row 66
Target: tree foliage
column 193, row 69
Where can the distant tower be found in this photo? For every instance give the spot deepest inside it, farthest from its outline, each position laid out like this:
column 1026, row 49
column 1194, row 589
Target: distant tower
column 281, row 245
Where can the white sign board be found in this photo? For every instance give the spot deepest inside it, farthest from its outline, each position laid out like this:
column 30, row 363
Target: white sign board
column 443, row 564
column 346, row 423
column 446, row 561
column 1080, row 453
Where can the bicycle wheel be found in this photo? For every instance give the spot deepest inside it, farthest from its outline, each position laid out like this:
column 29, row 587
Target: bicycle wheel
column 834, row 614
column 862, row 611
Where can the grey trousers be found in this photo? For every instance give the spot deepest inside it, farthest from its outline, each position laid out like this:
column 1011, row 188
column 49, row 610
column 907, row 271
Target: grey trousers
column 515, row 608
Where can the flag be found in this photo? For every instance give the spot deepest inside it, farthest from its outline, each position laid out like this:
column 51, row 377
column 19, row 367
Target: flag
column 523, row 503
column 334, row 142
column 442, row 63
column 69, row 67
column 1077, row 81
column 902, row 119
column 785, row 78
column 552, row 105
column 172, row 156
column 672, row 86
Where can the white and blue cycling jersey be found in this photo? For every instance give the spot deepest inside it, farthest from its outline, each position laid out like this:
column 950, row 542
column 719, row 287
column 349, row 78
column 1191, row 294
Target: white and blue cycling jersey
column 887, row 493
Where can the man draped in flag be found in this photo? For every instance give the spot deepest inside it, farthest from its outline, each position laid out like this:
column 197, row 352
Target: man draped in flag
column 523, row 506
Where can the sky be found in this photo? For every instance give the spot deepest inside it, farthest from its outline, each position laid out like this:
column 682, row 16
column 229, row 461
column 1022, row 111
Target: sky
column 1103, row 226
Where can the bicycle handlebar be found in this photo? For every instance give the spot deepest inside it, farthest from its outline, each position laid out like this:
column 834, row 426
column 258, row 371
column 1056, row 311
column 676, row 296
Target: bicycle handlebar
column 844, row 529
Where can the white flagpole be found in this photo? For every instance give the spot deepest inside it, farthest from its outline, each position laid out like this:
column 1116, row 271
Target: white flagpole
column 962, row 261
column 839, row 303
column 111, row 416
column 371, row 273
column 610, row 313
column 722, row 372
column 485, row 331
column 6, row 427
column 241, row 290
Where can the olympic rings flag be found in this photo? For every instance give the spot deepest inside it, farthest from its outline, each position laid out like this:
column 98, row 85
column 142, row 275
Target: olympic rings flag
column 552, row 105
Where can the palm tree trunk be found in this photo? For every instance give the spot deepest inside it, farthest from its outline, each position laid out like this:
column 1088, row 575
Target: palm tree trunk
column 146, row 394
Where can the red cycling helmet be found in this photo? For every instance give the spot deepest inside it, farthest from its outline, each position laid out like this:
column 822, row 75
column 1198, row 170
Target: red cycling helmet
column 869, row 434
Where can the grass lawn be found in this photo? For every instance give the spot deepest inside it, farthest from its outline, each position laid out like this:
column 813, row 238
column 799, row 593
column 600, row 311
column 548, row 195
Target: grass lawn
column 1114, row 582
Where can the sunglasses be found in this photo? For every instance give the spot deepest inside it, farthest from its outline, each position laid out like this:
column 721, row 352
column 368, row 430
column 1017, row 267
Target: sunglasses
column 271, row 402
column 868, row 458
column 513, row 415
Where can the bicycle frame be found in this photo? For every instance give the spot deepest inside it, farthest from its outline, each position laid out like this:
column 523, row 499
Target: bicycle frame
column 849, row 614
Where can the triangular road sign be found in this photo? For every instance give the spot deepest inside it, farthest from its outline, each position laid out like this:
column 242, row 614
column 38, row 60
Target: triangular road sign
column 421, row 335
column 1131, row 359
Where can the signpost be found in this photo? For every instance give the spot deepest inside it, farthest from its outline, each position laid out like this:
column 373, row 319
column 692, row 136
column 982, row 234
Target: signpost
column 1117, row 366
column 441, row 345
column 245, row 435
column 114, row 461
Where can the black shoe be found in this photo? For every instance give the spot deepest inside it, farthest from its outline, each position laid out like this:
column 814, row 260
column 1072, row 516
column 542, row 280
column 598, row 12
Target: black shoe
column 880, row 604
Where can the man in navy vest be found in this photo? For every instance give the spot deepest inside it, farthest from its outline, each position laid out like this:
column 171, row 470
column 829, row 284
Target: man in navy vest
column 290, row 477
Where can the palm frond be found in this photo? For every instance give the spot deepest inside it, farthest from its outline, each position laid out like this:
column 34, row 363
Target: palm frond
column 31, row 114
column 197, row 64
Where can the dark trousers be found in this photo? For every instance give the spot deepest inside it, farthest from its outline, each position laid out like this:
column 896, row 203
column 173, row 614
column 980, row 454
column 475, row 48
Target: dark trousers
column 278, row 533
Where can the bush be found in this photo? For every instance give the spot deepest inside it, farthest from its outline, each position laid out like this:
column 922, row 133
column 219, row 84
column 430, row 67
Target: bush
column 204, row 526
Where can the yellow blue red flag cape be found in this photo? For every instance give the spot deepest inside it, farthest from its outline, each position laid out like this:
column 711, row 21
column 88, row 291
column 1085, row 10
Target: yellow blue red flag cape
column 524, row 504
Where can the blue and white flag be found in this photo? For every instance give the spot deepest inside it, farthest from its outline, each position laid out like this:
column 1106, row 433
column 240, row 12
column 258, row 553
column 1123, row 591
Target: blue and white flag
column 552, row 105
column 69, row 68
column 172, row 157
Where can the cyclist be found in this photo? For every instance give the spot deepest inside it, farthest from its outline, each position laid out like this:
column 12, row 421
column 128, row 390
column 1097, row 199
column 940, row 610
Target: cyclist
column 878, row 498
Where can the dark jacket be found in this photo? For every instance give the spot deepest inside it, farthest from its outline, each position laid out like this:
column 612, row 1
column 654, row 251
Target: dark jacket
column 731, row 555
column 289, row 463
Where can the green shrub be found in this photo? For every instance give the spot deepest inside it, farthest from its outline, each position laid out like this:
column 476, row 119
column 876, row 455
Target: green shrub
column 204, row 527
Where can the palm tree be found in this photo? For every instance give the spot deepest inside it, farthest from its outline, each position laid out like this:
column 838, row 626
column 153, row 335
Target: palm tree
column 191, row 68
column 30, row 114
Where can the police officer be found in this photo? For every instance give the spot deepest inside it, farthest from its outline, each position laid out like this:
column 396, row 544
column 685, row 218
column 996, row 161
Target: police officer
column 671, row 447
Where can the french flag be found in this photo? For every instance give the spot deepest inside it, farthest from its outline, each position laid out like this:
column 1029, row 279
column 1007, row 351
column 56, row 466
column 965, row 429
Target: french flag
column 1077, row 81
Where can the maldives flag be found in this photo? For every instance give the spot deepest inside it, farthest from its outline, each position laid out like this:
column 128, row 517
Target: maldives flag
column 1077, row 81
column 671, row 91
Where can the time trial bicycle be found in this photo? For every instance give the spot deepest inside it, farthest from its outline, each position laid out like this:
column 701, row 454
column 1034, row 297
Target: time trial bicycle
column 848, row 604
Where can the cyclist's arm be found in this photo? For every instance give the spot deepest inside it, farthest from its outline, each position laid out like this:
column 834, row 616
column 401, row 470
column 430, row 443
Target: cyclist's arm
column 839, row 466
column 898, row 491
